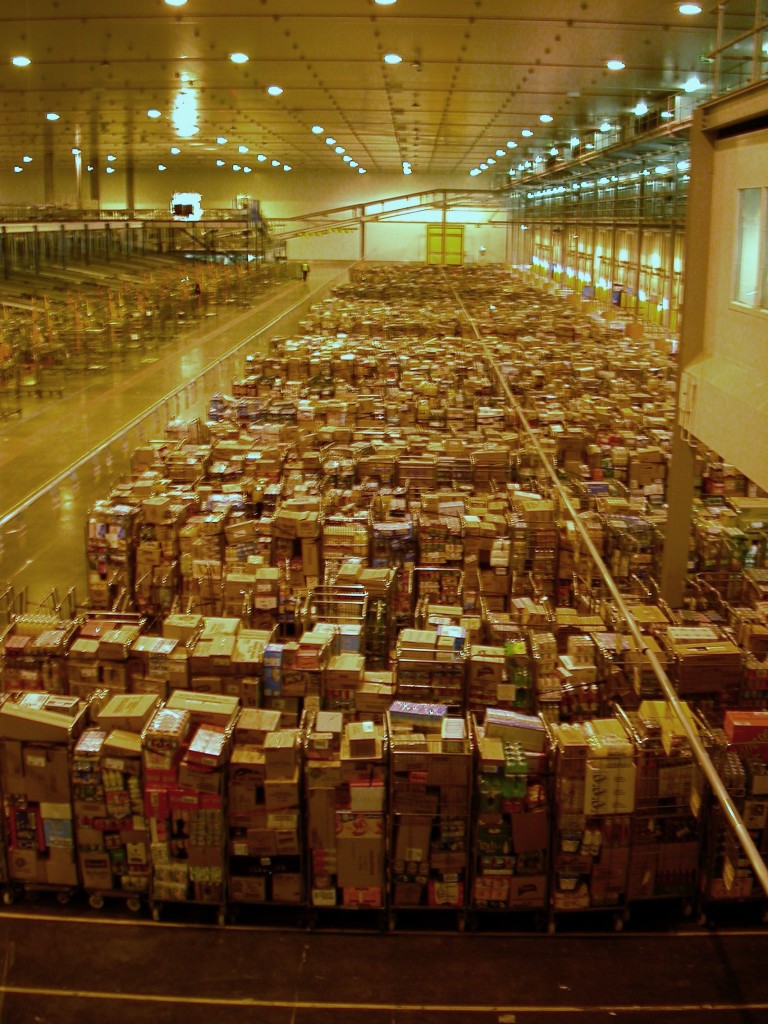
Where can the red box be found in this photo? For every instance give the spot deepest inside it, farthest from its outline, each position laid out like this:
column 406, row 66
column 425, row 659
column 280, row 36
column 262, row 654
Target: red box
column 748, row 727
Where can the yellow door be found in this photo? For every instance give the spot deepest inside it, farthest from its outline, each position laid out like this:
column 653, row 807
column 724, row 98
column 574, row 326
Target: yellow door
column 445, row 244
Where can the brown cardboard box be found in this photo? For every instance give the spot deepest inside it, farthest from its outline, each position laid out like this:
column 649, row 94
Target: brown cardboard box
column 321, row 825
column 38, row 725
column 255, row 724
column 287, row 888
column 412, row 838
column 46, row 774
column 96, row 871
column 282, row 793
column 359, row 861
column 130, row 712
column 281, row 754
column 527, row 890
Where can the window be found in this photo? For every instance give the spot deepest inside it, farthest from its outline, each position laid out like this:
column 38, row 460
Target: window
column 749, row 246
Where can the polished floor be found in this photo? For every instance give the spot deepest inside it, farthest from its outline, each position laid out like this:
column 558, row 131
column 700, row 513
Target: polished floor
column 67, row 964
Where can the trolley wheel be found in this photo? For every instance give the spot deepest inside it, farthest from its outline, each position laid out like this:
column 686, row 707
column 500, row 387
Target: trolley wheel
column 9, row 897
column 95, row 901
column 618, row 923
column 133, row 904
column 155, row 913
column 64, row 896
column 551, row 928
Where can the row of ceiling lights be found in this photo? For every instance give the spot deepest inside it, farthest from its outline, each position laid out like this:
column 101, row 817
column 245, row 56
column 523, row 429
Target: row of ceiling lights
column 317, row 129
column 661, row 171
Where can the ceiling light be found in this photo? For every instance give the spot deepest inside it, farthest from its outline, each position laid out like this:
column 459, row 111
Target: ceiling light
column 589, row 146
column 219, row 163
column 174, row 151
column 407, row 170
column 640, row 109
column 490, row 160
column 361, row 170
column 17, row 169
column 483, row 167
column 683, row 165
column 274, row 90
column 235, row 167
column 75, row 151
column 392, row 58
column 110, row 170
column 546, row 118
column 20, row 61
column 330, row 141
column 261, row 158
column 242, row 149
column 615, row 65
column 689, row 8
column 353, row 163
column 385, row 3
column 275, row 163
column 661, row 169
column 246, row 170
column 153, row 112
column 666, row 114
column 554, row 151
column 346, row 158
column 605, row 126
column 161, row 167
column 221, row 140
column 111, row 158
column 52, row 116
column 317, row 129
column 474, row 172
column 575, row 140
column 27, row 159
column 500, row 152
column 693, row 84
column 339, row 150
column 89, row 167
column 239, row 58
column 175, row 3
column 511, row 144
column 526, row 133
column 287, row 167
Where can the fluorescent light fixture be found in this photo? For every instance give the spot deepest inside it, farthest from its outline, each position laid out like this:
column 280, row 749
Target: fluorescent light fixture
column 287, row 167
column 554, row 151
column 317, row 129
column 242, row 149
column 75, row 151
column 239, row 58
column 221, row 140
column 606, row 126
column 615, row 65
column 683, row 165
column 667, row 114
column 161, row 167
column 490, row 160
column 392, row 58
column 474, row 172
column 689, row 8
column 546, row 118
column 52, row 116
column 17, row 169
column 330, row 141
column 275, row 163
column 526, row 133
column 661, row 169
column 246, row 170
column 20, row 61
column 175, row 3
column 111, row 158
column 219, row 163
column 385, row 3
column 407, row 170
column 184, row 115
column 110, row 170
column 640, row 109
column 174, row 151
column 361, row 170
column 235, row 167
column 353, row 163
column 261, row 158
column 274, row 90
column 346, row 158
column 500, row 152
column 153, row 112
column 693, row 84
column 511, row 144
column 483, row 167
column 575, row 140
column 339, row 150
column 27, row 159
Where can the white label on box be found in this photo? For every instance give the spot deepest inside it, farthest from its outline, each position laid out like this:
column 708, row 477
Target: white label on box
column 265, row 603
column 35, row 761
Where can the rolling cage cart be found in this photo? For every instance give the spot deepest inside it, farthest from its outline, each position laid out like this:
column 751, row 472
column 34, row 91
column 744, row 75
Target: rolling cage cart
column 665, row 834
column 594, row 798
column 424, row 673
column 265, row 827
column 511, row 828
column 345, row 799
column 111, row 830
column 37, row 733
column 185, row 749
column 430, row 817
column 33, row 651
column 727, row 886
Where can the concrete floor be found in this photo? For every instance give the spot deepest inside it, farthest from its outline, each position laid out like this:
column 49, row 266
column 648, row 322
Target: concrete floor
column 70, row 964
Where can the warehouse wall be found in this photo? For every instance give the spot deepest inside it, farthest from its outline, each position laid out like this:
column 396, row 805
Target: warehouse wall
column 724, row 388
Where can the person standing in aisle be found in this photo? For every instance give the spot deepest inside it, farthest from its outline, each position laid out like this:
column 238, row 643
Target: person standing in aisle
column 304, row 271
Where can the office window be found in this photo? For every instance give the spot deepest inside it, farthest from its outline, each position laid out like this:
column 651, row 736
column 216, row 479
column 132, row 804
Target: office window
column 750, row 248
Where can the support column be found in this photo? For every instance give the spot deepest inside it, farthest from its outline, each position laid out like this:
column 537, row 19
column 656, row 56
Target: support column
column 48, row 185
column 682, row 468
column 362, row 236
column 130, row 184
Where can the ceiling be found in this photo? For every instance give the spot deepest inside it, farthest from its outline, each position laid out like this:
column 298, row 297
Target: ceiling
column 474, row 74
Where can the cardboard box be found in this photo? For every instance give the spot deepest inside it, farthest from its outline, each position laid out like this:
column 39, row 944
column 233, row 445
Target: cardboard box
column 282, row 793
column 129, row 711
column 281, row 754
column 527, row 891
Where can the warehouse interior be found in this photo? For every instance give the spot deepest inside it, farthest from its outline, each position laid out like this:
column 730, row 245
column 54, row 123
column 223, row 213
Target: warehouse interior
column 444, row 273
